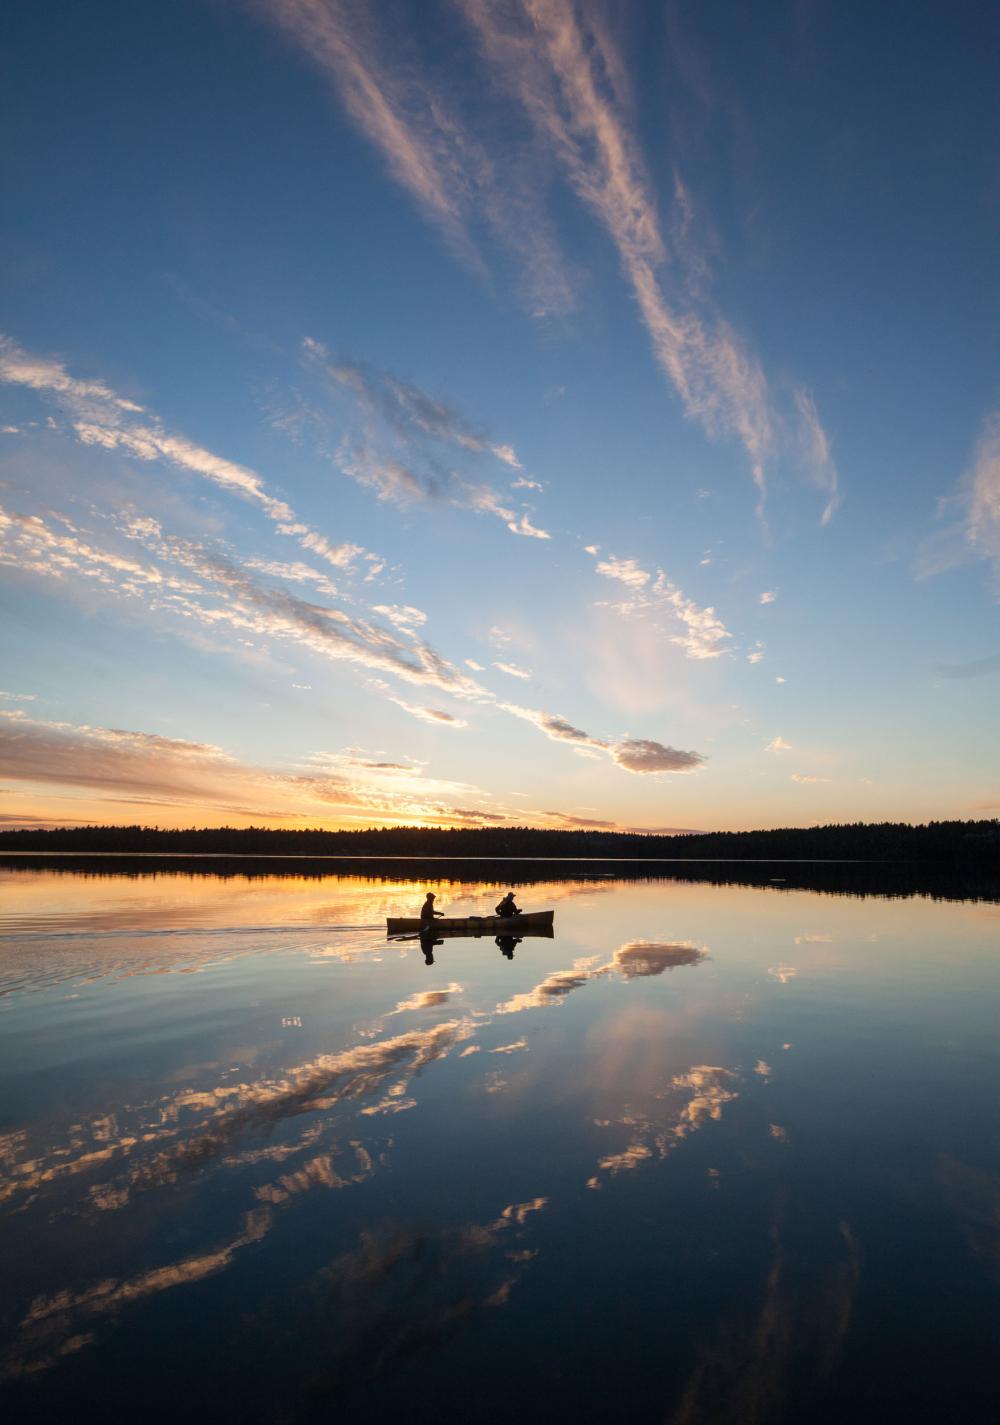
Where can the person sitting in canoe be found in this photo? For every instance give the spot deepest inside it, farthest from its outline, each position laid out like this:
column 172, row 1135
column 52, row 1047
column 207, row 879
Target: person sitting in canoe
column 427, row 911
column 507, row 909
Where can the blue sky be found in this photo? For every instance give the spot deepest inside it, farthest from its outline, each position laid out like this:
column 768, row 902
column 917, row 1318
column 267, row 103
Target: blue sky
column 478, row 411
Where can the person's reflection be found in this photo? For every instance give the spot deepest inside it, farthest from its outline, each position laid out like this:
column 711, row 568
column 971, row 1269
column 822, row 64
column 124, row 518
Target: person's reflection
column 428, row 940
column 507, row 943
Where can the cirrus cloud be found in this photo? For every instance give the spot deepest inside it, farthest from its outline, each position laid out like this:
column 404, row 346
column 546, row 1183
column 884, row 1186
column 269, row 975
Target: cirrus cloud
column 101, row 418
column 704, row 634
column 410, row 447
column 639, row 755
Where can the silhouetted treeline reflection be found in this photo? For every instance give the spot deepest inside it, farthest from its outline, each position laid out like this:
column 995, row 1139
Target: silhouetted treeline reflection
column 940, row 842
column 967, row 880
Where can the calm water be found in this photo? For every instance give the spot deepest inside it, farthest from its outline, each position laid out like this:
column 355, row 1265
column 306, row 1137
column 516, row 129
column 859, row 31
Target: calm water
column 711, row 1153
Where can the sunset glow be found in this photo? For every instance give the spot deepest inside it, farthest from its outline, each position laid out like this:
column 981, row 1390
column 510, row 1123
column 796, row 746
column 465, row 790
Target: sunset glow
column 498, row 412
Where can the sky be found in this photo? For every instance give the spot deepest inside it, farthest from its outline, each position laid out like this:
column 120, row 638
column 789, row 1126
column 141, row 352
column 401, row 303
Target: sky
column 484, row 412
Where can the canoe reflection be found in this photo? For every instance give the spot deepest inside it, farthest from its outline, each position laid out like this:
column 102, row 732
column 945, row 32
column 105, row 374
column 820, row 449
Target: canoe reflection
column 434, row 936
column 429, row 940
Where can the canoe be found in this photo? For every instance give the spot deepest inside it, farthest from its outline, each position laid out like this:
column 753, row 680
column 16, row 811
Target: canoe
column 458, row 931
column 536, row 922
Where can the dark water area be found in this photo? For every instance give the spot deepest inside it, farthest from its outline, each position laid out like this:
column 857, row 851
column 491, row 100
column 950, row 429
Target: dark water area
column 724, row 1149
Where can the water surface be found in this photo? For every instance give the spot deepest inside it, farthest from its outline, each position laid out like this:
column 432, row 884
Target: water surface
column 714, row 1152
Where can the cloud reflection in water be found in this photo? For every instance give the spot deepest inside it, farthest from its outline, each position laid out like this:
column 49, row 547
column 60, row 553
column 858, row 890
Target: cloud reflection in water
column 100, row 1166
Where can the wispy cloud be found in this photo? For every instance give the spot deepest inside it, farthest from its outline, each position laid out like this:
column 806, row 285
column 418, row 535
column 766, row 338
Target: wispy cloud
column 485, row 500
column 48, row 375
column 412, row 448
column 973, row 515
column 626, row 571
column 198, row 586
column 27, row 542
column 133, row 767
column 464, row 189
column 816, row 453
column 983, row 497
column 332, row 632
column 561, row 64
column 296, row 573
column 571, row 819
column 508, row 455
column 769, row 596
column 340, row 556
column 778, row 744
column 513, row 671
column 154, row 443
column 341, row 40
column 567, row 73
column 406, row 408
column 404, row 616
column 640, row 755
column 101, row 418
column 592, row 823
column 704, row 635
column 436, row 717
column 800, row 777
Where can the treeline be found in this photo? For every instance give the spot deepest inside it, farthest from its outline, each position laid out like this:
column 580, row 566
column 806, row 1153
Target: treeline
column 943, row 842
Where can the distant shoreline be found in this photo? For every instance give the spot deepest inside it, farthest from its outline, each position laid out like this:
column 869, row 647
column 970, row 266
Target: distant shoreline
column 590, row 860
column 937, row 843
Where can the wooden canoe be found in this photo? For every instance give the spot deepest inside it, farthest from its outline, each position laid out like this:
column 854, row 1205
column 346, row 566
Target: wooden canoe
column 537, row 922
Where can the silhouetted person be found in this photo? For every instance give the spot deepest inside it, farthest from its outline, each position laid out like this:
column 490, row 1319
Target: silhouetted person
column 507, row 943
column 507, row 908
column 427, row 911
column 427, row 944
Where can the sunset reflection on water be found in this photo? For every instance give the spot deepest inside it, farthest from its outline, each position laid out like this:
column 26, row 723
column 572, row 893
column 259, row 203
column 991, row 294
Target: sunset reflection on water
column 232, row 1099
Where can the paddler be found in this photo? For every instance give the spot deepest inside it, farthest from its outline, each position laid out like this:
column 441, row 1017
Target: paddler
column 427, row 911
column 507, row 909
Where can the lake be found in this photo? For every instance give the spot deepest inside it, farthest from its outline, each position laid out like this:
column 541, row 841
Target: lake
column 714, row 1152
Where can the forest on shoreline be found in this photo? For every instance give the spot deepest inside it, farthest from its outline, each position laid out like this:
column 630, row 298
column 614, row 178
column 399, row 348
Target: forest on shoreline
column 942, row 842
